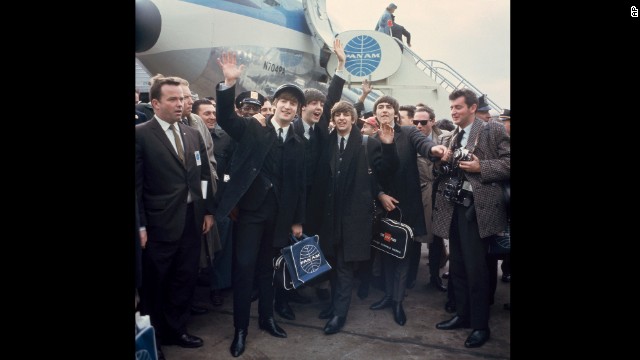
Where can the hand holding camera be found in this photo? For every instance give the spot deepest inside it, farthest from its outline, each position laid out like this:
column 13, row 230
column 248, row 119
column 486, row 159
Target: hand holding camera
column 470, row 165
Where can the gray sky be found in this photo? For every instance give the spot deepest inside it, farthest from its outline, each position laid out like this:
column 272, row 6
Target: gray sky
column 471, row 36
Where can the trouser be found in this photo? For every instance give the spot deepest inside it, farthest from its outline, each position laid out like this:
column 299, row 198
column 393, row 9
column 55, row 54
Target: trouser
column 254, row 251
column 468, row 267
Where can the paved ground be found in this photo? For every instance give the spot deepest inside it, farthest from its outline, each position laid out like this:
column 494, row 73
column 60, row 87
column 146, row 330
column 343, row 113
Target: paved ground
column 367, row 334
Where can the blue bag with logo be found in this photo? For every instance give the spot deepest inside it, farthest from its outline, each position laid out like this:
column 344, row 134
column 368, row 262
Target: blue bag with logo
column 303, row 262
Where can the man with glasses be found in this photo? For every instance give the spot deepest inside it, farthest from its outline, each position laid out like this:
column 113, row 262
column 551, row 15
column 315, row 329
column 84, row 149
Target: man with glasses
column 424, row 119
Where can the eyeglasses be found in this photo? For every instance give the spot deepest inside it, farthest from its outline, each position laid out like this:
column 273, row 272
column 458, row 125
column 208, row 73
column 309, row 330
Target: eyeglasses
column 421, row 122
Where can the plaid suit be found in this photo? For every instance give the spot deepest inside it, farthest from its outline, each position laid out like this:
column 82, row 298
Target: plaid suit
column 466, row 227
column 494, row 152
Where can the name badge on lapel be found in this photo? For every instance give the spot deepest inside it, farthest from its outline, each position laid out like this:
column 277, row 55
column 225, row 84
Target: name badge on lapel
column 198, row 161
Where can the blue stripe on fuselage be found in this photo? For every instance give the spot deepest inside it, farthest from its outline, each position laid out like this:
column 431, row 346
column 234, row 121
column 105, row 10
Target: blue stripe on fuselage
column 291, row 19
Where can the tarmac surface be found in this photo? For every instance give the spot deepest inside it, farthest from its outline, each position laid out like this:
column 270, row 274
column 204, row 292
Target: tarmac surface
column 367, row 334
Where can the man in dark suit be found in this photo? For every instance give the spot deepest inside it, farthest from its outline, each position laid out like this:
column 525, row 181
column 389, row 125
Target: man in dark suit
column 172, row 169
column 348, row 180
column 470, row 214
column 403, row 189
column 267, row 182
column 313, row 128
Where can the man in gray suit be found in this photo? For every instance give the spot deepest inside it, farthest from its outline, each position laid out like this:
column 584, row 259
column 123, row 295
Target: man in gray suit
column 469, row 208
column 172, row 170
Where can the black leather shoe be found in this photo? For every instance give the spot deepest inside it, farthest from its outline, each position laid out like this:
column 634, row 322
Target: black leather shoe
column 506, row 278
column 216, row 298
column 436, row 282
column 411, row 284
column 326, row 313
column 188, row 341
column 294, row 296
column 450, row 307
column 385, row 302
column 239, row 342
column 269, row 325
column 196, row 310
column 323, row 294
column 445, row 275
column 477, row 338
column 160, row 353
column 334, row 325
column 455, row 322
column 284, row 310
column 398, row 313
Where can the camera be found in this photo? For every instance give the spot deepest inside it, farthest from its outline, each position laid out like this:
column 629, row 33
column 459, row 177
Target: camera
column 450, row 168
column 461, row 154
column 458, row 191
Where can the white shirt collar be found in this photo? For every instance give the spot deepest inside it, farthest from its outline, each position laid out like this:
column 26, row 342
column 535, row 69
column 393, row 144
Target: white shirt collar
column 285, row 130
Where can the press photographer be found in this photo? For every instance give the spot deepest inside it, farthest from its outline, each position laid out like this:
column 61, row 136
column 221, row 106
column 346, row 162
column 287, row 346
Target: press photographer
column 469, row 208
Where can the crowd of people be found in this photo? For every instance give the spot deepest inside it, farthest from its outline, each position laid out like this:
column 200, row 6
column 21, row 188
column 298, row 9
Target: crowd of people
column 223, row 182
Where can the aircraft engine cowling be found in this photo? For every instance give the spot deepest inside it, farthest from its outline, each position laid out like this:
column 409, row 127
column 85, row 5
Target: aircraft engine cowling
column 148, row 24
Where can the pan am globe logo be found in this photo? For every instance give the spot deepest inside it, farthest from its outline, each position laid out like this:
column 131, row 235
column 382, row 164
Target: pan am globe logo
column 310, row 258
column 363, row 55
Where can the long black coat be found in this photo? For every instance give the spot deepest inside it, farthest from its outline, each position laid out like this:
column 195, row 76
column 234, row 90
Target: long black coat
column 254, row 143
column 321, row 132
column 348, row 191
column 405, row 183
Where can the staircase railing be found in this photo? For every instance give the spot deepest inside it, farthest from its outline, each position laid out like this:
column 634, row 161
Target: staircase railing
column 445, row 76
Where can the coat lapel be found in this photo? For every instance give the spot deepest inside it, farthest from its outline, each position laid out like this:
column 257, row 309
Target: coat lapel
column 476, row 127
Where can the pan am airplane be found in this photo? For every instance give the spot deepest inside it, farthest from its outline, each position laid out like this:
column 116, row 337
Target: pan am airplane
column 283, row 41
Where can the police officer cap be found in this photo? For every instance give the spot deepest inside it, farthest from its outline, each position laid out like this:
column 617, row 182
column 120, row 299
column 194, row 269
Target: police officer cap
column 482, row 104
column 506, row 114
column 298, row 93
column 249, row 97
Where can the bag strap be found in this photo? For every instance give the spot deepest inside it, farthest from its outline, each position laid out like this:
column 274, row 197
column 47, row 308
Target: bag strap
column 293, row 239
column 400, row 211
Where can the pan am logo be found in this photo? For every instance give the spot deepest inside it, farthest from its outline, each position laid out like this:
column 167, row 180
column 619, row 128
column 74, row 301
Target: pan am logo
column 310, row 259
column 363, row 55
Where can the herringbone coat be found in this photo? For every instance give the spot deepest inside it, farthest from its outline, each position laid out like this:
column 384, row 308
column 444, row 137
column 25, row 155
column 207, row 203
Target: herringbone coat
column 494, row 151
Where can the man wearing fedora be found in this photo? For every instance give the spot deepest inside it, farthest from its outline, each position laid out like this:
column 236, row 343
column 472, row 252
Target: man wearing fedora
column 267, row 183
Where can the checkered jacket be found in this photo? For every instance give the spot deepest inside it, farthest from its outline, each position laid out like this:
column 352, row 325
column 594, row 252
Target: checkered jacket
column 494, row 151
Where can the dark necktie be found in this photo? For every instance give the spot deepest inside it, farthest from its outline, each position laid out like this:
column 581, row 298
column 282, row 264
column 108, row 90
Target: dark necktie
column 310, row 133
column 178, row 143
column 280, row 135
column 458, row 143
column 185, row 121
column 341, row 145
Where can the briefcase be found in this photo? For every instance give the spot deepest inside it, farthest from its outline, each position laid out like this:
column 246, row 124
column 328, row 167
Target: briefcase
column 303, row 261
column 392, row 236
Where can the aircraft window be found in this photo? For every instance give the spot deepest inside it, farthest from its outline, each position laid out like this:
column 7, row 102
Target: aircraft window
column 272, row 2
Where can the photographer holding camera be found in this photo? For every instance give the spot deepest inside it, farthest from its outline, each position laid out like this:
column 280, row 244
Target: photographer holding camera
column 469, row 208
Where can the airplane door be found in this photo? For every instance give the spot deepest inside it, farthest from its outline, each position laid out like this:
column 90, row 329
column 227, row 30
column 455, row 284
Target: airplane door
column 315, row 13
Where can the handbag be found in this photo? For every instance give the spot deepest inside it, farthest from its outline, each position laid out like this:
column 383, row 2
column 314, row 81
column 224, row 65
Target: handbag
column 500, row 244
column 393, row 236
column 300, row 263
